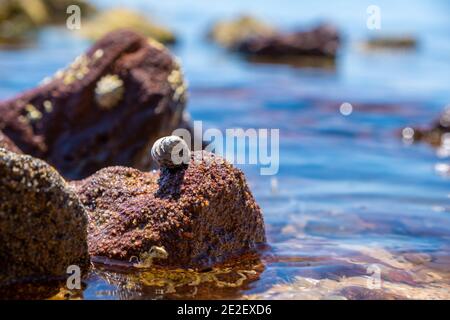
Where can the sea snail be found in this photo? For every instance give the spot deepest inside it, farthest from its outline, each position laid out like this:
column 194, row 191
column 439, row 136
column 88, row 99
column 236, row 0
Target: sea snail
column 171, row 152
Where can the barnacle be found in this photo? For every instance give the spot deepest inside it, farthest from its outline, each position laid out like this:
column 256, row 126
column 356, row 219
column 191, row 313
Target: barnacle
column 33, row 114
column 109, row 91
column 48, row 106
column 177, row 83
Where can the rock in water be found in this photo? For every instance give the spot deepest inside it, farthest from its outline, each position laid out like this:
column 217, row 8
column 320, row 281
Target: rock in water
column 438, row 134
column 256, row 39
column 7, row 144
column 107, row 108
column 321, row 41
column 197, row 216
column 42, row 222
column 19, row 19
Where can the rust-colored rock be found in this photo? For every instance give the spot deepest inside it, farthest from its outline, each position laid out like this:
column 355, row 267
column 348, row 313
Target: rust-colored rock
column 321, row 41
column 43, row 225
column 200, row 215
column 107, row 108
column 7, row 144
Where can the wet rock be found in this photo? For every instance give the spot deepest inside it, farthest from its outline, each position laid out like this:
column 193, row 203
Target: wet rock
column 107, row 108
column 114, row 19
column 20, row 19
column 321, row 41
column 42, row 222
column 263, row 43
column 391, row 43
column 437, row 134
column 230, row 33
column 7, row 144
column 198, row 215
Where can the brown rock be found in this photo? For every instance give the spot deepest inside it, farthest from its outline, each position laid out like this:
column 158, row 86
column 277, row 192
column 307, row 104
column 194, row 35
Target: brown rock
column 107, row 108
column 21, row 19
column 321, row 41
column 199, row 215
column 7, row 144
column 42, row 222
column 434, row 135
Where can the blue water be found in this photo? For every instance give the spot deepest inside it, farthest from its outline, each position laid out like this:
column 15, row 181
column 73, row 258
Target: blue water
column 347, row 185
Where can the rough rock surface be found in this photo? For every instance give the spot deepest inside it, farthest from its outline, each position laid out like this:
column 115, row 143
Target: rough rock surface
column 7, row 144
column 107, row 108
column 197, row 216
column 321, row 41
column 43, row 225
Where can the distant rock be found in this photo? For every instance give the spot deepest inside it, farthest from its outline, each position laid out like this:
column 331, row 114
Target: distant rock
column 198, row 215
column 321, row 41
column 392, row 42
column 20, row 19
column 121, row 18
column 260, row 42
column 438, row 134
column 107, row 108
column 42, row 222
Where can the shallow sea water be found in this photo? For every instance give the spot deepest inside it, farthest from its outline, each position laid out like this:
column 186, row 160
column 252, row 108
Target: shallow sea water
column 351, row 200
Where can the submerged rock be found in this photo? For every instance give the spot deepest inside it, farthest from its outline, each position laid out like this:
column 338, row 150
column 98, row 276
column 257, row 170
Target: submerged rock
column 321, row 41
column 107, row 108
column 7, row 144
column 262, row 42
column 42, row 222
column 438, row 134
column 199, row 215
column 19, row 19
column 391, row 43
column 114, row 19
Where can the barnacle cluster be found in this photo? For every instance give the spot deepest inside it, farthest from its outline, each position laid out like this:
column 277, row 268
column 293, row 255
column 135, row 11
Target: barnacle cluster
column 32, row 113
column 77, row 70
column 177, row 83
column 109, row 91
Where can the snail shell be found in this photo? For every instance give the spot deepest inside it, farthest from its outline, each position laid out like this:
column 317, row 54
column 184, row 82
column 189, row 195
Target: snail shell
column 171, row 152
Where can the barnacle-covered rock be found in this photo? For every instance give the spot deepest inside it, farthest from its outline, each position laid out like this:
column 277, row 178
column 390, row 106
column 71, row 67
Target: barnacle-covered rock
column 106, row 108
column 198, row 215
column 7, row 144
column 120, row 18
column 43, row 225
column 229, row 34
column 19, row 19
